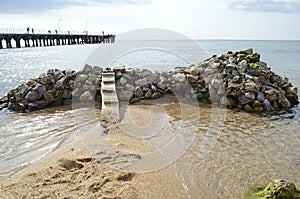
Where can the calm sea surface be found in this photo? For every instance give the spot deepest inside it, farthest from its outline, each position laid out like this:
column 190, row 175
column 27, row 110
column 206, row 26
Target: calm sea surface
column 250, row 149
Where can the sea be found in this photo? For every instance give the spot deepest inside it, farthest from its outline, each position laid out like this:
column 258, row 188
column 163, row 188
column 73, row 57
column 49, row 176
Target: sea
column 249, row 149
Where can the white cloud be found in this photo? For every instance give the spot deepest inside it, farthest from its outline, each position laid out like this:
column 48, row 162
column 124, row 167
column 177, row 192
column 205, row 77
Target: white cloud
column 282, row 6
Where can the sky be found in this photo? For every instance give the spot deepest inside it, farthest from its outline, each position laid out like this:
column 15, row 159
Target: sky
column 197, row 19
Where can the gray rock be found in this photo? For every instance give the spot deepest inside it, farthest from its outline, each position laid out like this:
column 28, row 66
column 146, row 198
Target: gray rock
column 235, row 73
column 267, row 105
column 60, row 84
column 248, row 108
column 86, row 97
column 252, row 87
column 129, row 87
column 48, row 96
column 209, row 71
column 292, row 90
column 123, row 81
column 40, row 89
column 139, row 92
column 32, row 96
column 37, row 105
column 249, row 51
column 250, row 96
column 153, row 88
column 82, row 77
column 192, row 78
column 145, row 73
column 87, row 68
column 154, row 78
column 148, row 94
column 141, row 82
column 124, row 95
column 134, row 100
column 58, row 75
column 232, row 60
column 260, row 97
column 121, row 69
column 244, row 100
column 97, row 70
column 156, row 95
column 24, row 89
column 179, row 77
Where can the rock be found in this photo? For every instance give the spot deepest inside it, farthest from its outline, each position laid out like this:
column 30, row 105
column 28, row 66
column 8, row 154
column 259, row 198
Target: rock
column 192, row 78
column 24, row 89
column 292, row 90
column 256, row 104
column 82, row 77
column 293, row 99
column 141, row 82
column 37, row 105
column 4, row 100
column 118, row 75
column 251, row 86
column 284, row 102
column 250, row 96
column 134, row 100
column 48, row 96
column 232, row 60
column 249, row 51
column 86, row 97
column 139, row 92
column 277, row 189
column 3, row 106
column 248, row 108
column 156, row 95
column 145, row 73
column 32, row 96
column 87, row 68
column 260, row 97
column 123, row 80
column 40, row 89
column 235, row 73
column 230, row 102
column 97, row 70
column 121, row 69
column 209, row 71
column 129, row 87
column 148, row 94
column 244, row 100
column 58, row 75
column 179, row 77
column 267, row 105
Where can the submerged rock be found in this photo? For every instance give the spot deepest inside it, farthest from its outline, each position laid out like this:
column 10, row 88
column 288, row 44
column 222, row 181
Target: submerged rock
column 277, row 189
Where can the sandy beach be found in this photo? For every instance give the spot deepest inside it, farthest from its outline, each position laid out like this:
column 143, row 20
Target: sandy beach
column 72, row 172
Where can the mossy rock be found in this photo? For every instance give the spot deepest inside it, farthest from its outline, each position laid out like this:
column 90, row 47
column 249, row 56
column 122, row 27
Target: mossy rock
column 251, row 58
column 254, row 66
column 277, row 189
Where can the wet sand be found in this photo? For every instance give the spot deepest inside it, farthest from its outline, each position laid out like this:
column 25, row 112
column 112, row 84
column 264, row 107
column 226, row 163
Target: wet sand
column 71, row 172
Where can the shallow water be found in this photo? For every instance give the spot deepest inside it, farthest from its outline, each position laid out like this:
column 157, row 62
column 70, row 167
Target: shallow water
column 244, row 149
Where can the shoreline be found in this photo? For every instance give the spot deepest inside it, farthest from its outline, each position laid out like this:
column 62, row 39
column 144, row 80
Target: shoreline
column 49, row 177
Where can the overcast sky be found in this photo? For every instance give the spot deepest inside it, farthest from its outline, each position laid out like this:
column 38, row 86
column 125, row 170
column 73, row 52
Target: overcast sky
column 197, row 19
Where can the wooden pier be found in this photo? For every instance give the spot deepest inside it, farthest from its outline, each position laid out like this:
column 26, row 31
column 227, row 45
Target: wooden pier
column 14, row 40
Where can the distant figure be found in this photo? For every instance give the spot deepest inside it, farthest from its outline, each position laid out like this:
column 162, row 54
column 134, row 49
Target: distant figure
column 56, row 32
column 32, row 31
column 49, row 31
column 68, row 32
column 103, row 33
column 28, row 30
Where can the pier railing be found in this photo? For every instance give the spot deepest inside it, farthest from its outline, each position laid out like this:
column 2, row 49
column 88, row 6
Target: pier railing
column 20, row 37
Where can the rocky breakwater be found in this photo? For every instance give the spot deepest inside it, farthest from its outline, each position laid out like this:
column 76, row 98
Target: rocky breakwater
column 55, row 88
column 235, row 79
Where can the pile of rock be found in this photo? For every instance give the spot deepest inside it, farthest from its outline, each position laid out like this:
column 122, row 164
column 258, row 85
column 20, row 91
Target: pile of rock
column 236, row 79
column 55, row 88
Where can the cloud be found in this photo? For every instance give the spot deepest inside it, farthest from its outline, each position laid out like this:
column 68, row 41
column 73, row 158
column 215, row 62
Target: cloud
column 38, row 6
column 281, row 6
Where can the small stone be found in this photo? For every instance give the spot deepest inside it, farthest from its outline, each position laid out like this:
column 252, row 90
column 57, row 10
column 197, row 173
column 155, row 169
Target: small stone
column 148, row 94
column 248, row 108
column 48, row 96
column 139, row 92
column 249, row 51
column 260, row 97
column 86, row 97
column 192, row 78
column 121, row 69
column 156, row 95
column 267, row 105
column 123, row 81
column 179, row 77
column 37, row 105
column 250, row 96
column 129, row 87
column 235, row 73
column 292, row 90
column 141, row 82
column 256, row 104
column 134, row 100
column 24, row 90
column 244, row 100
column 32, row 96
column 87, row 68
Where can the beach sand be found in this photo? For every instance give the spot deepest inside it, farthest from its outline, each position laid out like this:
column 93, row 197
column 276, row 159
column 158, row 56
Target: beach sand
column 72, row 172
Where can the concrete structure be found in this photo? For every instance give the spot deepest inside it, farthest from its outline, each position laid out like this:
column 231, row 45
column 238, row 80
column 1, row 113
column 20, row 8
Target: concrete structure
column 35, row 40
